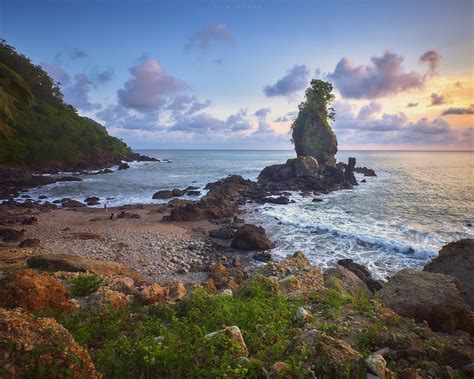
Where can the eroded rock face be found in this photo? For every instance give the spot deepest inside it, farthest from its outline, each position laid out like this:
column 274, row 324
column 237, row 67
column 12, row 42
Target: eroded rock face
column 28, row 343
column 251, row 237
column 35, row 292
column 428, row 296
column 313, row 136
column 456, row 259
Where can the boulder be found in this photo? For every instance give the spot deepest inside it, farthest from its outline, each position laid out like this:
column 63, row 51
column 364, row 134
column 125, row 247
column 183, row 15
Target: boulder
column 263, row 256
column 72, row 204
column 224, row 233
column 178, row 192
column 342, row 279
column 305, row 166
column 223, row 277
column 251, row 237
column 283, row 200
column 193, row 193
column 123, row 166
column 332, row 356
column 364, row 170
column 28, row 344
column 430, row 297
column 152, row 294
column 91, row 199
column 11, row 235
column 163, row 194
column 74, row 263
column 103, row 299
column 35, row 292
column 362, row 272
column 30, row 242
column 456, row 259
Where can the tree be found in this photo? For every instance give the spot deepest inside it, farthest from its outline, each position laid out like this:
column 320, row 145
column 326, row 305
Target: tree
column 13, row 90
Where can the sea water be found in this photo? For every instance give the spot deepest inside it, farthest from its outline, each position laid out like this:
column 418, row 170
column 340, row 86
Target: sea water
column 418, row 202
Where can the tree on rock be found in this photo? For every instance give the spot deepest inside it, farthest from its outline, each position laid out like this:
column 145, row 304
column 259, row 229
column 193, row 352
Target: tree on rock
column 311, row 131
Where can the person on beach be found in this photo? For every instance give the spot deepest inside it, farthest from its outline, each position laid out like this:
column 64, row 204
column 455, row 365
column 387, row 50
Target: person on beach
column 105, row 206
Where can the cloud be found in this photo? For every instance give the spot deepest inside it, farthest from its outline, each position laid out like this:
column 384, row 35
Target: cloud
column 458, row 85
column 458, row 111
column 367, row 111
column 77, row 54
column 148, row 87
column 383, row 77
column 295, row 80
column 437, row 99
column 57, row 73
column 395, row 129
column 77, row 93
column 104, row 76
column 239, row 122
column 412, row 105
column 432, row 58
column 203, row 38
column 281, row 119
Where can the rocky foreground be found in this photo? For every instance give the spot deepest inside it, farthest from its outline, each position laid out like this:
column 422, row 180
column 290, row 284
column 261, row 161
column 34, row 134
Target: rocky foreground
column 67, row 315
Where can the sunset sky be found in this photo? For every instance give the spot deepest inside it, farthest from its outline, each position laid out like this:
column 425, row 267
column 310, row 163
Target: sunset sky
column 229, row 74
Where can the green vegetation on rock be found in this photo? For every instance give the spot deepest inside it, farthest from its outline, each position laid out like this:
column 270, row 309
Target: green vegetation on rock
column 37, row 127
column 311, row 131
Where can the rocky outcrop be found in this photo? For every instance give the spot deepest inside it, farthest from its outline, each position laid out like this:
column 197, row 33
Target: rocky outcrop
column 35, row 292
column 74, row 263
column 105, row 300
column 456, row 259
column 364, row 170
column 29, row 344
column 362, row 273
column 251, row 237
column 224, row 233
column 72, row 204
column 11, row 235
column 222, row 200
column 430, row 297
column 305, row 174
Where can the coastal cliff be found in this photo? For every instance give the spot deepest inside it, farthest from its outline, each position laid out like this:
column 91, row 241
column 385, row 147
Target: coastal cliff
column 41, row 132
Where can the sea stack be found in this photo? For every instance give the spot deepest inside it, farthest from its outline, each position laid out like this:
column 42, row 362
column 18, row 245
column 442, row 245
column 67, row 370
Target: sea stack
column 311, row 131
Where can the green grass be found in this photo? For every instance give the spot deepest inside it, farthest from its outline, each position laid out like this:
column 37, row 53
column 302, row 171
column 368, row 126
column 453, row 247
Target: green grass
column 85, row 285
column 169, row 340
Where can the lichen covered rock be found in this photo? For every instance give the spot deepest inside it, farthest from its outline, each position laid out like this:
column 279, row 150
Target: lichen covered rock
column 29, row 346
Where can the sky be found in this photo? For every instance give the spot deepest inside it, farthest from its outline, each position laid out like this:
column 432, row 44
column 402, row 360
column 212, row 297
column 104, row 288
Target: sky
column 229, row 74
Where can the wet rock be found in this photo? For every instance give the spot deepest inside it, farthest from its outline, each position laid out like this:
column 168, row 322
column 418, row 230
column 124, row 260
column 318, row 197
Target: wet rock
column 344, row 280
column 74, row 263
column 30, row 242
column 224, row 233
column 362, row 272
column 366, row 171
column 123, row 166
column 283, row 200
column 163, row 194
column 11, row 235
column 251, row 237
column 193, row 193
column 178, row 202
column 28, row 343
column 72, row 204
column 34, row 292
column 263, row 256
column 428, row 296
column 178, row 192
column 91, row 199
column 68, row 179
column 456, row 259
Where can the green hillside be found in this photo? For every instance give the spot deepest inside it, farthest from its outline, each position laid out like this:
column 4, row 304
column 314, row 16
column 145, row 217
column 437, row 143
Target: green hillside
column 37, row 127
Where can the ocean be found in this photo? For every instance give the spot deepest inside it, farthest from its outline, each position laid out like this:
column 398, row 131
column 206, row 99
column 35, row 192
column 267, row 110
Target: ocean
column 418, row 202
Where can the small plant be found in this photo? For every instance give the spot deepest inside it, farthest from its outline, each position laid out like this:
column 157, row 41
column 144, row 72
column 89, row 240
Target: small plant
column 85, row 285
column 368, row 339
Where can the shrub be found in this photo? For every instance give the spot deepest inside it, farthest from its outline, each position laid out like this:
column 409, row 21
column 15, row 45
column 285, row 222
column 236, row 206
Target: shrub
column 85, row 285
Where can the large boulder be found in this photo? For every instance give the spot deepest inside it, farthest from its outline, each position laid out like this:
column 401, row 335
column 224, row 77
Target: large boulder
column 75, row 263
column 428, row 296
column 35, row 292
column 362, row 273
column 29, row 344
column 251, row 237
column 456, row 259
column 344, row 280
